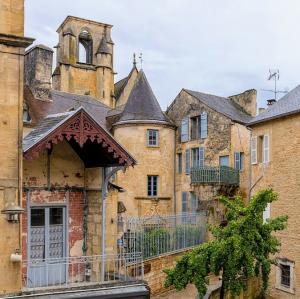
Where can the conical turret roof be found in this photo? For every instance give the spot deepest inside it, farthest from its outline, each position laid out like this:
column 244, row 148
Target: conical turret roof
column 142, row 104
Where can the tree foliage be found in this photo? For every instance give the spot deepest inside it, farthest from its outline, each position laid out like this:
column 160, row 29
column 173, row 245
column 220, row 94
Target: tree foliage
column 239, row 251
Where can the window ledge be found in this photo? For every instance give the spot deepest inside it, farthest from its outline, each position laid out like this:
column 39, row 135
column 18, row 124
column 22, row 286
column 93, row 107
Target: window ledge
column 153, row 198
column 285, row 289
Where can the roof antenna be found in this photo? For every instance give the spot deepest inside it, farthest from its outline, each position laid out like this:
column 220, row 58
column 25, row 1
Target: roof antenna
column 274, row 75
column 134, row 60
column 141, row 60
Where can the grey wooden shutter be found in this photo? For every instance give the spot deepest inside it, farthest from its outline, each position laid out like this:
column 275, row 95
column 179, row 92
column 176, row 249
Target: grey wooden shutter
column 201, row 156
column 204, row 125
column 237, row 160
column 185, row 130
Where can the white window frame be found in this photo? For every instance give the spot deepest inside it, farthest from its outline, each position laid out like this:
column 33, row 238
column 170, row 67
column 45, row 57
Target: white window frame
column 151, row 177
column 285, row 262
column 254, row 150
column 266, row 149
column 156, row 135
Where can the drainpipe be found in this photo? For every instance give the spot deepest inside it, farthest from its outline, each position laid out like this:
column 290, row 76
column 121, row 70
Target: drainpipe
column 250, row 163
column 174, row 186
column 105, row 181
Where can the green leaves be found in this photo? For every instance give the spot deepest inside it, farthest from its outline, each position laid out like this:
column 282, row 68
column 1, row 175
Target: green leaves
column 239, row 250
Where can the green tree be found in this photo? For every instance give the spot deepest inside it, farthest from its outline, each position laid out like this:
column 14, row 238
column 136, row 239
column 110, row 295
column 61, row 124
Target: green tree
column 240, row 250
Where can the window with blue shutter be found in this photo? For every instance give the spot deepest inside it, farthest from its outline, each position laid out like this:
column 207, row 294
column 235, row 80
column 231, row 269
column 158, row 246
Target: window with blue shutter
column 203, row 132
column 239, row 160
column 195, row 157
column 179, row 165
column 184, row 203
column 187, row 161
column 194, row 203
column 185, row 130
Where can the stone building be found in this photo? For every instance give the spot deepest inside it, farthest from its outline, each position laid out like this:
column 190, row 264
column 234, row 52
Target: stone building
column 212, row 148
column 275, row 158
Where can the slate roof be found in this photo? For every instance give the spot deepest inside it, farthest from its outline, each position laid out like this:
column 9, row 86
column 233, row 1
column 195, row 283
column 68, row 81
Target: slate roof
column 142, row 104
column 222, row 105
column 119, row 86
column 288, row 104
column 47, row 125
column 60, row 102
column 103, row 47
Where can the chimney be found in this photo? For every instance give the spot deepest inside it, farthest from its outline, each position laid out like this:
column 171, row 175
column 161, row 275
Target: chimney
column 261, row 110
column 247, row 101
column 271, row 102
column 38, row 71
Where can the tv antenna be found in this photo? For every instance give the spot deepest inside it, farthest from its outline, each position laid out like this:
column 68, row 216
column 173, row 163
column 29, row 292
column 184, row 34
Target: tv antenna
column 274, row 75
column 141, row 60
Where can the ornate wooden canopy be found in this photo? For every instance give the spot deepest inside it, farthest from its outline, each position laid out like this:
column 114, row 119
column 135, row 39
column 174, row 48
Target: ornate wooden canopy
column 86, row 136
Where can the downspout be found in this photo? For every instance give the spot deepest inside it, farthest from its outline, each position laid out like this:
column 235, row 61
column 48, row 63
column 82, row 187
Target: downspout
column 250, row 167
column 174, row 185
column 105, row 181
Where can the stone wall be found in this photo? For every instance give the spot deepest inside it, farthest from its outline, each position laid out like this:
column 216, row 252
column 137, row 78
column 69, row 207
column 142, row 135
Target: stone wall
column 282, row 174
column 151, row 161
column 247, row 100
column 154, row 275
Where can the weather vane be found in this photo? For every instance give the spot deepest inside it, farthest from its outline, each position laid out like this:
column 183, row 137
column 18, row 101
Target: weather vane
column 141, row 60
column 274, row 75
column 134, row 60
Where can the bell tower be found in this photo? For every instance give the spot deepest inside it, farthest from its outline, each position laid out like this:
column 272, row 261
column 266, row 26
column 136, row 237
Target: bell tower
column 12, row 48
column 85, row 59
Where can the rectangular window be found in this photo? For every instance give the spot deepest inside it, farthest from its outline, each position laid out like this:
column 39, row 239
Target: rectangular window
column 187, row 161
column 185, row 130
column 254, row 150
column 179, row 163
column 266, row 149
column 201, row 157
column 152, row 137
column 195, row 127
column 239, row 160
column 203, row 132
column 184, row 203
column 195, row 157
column 285, row 277
column 224, row 160
column 152, row 185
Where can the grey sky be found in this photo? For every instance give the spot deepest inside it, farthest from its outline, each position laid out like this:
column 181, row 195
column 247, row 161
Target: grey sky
column 221, row 47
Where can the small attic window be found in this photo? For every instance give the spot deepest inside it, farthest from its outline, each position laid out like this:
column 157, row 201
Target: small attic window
column 26, row 115
column 85, row 48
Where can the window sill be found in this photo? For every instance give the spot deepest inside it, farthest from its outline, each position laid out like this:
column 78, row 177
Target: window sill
column 285, row 289
column 153, row 146
column 155, row 198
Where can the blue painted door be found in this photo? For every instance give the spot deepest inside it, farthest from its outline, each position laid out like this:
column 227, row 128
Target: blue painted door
column 47, row 262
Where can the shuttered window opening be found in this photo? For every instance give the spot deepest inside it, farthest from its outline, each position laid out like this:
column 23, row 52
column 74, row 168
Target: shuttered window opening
column 266, row 155
column 179, row 163
column 184, row 203
column 239, row 160
column 185, row 130
column 203, row 132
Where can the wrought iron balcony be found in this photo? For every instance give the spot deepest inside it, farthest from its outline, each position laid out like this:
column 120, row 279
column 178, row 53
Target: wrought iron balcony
column 222, row 175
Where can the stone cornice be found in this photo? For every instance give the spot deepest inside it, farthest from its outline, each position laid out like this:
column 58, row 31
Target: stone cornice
column 15, row 41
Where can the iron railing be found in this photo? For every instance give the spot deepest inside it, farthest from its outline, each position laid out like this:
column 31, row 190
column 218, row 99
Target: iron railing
column 223, row 175
column 82, row 271
column 156, row 235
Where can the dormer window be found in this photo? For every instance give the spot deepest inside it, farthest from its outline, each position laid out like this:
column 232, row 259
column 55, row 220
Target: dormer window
column 26, row 115
column 85, row 48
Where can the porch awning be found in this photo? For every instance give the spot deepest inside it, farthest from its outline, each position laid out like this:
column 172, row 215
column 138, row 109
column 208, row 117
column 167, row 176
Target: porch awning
column 94, row 145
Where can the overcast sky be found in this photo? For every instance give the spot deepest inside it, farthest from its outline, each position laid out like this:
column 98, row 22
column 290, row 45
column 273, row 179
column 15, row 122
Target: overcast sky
column 221, row 47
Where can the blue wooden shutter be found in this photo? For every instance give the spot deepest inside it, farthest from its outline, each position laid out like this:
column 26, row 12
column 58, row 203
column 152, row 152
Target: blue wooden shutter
column 187, row 161
column 204, row 125
column 201, row 156
column 237, row 160
column 185, row 130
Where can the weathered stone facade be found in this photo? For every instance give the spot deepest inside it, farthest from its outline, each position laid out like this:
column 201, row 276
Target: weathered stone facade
column 224, row 138
column 12, row 45
column 282, row 174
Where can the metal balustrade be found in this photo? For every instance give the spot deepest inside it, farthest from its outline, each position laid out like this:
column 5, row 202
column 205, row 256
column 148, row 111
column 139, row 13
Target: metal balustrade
column 157, row 235
column 81, row 271
column 222, row 175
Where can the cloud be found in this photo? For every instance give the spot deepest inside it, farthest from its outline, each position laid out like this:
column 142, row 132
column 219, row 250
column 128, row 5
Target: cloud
column 221, row 47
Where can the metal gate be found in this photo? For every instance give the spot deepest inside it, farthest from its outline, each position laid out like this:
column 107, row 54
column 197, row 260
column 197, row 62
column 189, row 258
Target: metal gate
column 47, row 248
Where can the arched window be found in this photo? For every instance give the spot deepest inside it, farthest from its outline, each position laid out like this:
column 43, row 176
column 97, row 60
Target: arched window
column 85, row 48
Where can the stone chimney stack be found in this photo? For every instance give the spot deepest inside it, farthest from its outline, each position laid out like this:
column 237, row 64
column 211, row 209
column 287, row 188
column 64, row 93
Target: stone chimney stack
column 261, row 110
column 271, row 102
column 246, row 100
column 38, row 71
